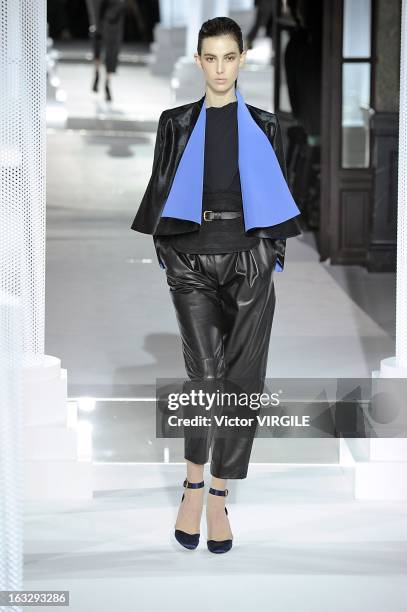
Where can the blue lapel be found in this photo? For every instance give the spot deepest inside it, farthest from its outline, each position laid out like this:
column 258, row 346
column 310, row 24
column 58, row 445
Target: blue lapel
column 266, row 197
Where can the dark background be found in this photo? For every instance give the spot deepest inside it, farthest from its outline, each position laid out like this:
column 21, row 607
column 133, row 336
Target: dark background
column 68, row 20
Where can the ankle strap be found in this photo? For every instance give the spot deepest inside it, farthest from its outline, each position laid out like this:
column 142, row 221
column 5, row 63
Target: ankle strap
column 193, row 485
column 219, row 491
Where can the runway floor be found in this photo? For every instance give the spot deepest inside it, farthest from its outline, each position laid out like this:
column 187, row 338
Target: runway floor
column 301, row 543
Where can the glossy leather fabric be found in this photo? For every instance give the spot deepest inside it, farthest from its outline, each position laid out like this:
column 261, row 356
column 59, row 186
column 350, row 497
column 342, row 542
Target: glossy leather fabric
column 173, row 132
column 174, row 129
column 224, row 304
column 267, row 200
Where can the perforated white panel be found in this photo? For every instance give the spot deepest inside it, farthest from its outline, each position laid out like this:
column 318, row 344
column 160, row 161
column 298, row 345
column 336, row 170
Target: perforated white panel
column 11, row 447
column 22, row 251
column 401, row 305
column 22, row 164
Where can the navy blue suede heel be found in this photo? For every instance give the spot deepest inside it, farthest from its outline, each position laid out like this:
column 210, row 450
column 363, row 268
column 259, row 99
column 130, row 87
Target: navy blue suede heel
column 189, row 540
column 219, row 546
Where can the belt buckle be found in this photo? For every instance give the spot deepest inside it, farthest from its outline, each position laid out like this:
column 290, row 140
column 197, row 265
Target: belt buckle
column 207, row 211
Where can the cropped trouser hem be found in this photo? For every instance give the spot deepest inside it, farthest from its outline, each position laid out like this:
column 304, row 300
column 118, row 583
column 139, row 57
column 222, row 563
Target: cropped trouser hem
column 214, row 470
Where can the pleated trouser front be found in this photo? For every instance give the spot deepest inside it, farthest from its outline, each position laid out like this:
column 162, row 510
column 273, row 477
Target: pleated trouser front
column 224, row 304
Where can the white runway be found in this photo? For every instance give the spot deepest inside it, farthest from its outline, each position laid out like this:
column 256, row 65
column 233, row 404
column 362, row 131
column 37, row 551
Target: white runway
column 301, row 543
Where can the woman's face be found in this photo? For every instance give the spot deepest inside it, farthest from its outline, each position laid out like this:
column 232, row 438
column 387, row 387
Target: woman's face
column 220, row 61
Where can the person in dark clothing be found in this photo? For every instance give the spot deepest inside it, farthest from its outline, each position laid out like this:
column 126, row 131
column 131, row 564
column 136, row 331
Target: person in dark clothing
column 106, row 19
column 264, row 17
column 220, row 210
column 58, row 21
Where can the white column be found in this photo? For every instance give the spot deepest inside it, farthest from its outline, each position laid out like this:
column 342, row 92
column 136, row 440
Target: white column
column 173, row 12
column 397, row 366
column 11, row 442
column 380, row 464
column 401, row 305
column 187, row 80
column 52, row 469
column 198, row 12
column 169, row 36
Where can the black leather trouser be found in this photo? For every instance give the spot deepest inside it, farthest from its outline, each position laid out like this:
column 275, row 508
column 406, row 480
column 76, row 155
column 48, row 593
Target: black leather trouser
column 224, row 305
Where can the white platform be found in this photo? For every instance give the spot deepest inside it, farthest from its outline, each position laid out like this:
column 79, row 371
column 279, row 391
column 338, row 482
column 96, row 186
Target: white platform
column 301, row 543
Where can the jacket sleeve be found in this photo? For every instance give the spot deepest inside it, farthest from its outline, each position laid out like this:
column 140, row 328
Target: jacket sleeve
column 159, row 139
column 157, row 149
column 278, row 145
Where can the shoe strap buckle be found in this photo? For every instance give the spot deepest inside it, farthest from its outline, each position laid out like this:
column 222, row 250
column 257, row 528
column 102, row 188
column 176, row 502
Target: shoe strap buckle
column 221, row 492
column 193, row 485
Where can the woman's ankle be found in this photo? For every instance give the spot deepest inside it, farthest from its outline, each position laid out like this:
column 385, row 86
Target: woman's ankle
column 218, row 483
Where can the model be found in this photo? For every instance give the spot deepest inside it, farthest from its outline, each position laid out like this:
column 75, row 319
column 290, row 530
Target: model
column 219, row 209
column 107, row 27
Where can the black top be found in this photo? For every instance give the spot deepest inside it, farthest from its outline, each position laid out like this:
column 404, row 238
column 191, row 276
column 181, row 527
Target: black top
column 221, row 189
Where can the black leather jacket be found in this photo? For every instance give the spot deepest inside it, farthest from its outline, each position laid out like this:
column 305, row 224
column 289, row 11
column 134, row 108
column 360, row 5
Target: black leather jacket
column 174, row 129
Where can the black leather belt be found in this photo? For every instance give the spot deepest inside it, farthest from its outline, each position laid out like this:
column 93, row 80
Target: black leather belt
column 210, row 215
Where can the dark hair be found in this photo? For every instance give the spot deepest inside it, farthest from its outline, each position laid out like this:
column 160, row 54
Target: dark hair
column 218, row 26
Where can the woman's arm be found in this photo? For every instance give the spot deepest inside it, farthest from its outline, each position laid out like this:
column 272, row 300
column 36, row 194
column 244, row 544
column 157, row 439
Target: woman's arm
column 278, row 145
column 159, row 139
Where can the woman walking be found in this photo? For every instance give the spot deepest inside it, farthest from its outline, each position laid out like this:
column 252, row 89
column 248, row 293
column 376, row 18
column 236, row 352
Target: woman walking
column 106, row 18
column 219, row 209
